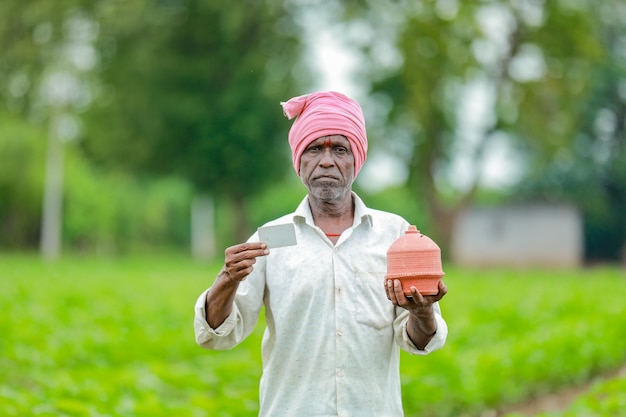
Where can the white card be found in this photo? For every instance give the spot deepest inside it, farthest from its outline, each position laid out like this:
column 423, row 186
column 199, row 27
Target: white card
column 278, row 236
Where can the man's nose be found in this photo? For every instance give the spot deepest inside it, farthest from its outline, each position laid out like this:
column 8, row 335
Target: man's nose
column 326, row 158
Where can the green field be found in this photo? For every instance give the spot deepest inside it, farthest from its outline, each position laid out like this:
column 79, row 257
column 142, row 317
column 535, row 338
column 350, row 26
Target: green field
column 605, row 398
column 97, row 337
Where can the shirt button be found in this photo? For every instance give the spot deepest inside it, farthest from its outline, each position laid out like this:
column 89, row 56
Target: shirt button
column 339, row 374
column 339, row 333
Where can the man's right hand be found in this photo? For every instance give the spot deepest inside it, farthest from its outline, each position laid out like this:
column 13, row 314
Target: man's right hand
column 238, row 264
column 239, row 259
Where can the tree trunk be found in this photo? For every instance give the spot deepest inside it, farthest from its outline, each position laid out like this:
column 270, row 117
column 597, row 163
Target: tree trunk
column 203, row 228
column 241, row 225
column 52, row 211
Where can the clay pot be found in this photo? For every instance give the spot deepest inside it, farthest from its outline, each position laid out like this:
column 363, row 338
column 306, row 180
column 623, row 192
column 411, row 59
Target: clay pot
column 415, row 260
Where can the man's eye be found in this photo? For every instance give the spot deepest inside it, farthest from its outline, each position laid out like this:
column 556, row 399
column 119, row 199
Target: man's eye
column 341, row 150
column 313, row 148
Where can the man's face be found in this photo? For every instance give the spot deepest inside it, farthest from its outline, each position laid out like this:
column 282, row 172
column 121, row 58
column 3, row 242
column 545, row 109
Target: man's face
column 327, row 167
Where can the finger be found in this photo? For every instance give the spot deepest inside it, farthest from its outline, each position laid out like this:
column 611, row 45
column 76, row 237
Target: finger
column 251, row 254
column 443, row 290
column 386, row 285
column 241, row 258
column 241, row 270
column 257, row 247
column 236, row 272
column 418, row 298
column 250, row 246
column 390, row 292
column 246, row 255
column 399, row 293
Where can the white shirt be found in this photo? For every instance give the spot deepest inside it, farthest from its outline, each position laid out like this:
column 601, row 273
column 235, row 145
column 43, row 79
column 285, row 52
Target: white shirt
column 332, row 342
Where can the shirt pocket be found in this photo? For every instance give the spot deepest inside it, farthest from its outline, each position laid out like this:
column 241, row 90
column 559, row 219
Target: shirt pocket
column 372, row 307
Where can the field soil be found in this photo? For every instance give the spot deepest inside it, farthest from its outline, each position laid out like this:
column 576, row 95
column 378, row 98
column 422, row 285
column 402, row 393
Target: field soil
column 557, row 401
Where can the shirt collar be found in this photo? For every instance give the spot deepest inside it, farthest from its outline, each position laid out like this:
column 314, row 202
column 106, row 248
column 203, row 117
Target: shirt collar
column 362, row 214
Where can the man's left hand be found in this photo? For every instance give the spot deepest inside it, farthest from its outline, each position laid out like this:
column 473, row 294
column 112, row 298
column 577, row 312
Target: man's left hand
column 416, row 303
column 422, row 325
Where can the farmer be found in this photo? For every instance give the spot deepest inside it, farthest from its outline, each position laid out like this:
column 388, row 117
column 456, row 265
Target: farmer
column 334, row 327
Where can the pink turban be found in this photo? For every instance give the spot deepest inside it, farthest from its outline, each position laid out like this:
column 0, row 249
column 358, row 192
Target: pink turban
column 324, row 114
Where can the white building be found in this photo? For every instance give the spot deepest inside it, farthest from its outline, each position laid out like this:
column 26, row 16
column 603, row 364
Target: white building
column 519, row 235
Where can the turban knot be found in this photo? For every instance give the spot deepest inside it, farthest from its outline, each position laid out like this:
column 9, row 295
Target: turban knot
column 324, row 114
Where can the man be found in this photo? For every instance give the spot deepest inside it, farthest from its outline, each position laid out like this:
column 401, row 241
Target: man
column 334, row 326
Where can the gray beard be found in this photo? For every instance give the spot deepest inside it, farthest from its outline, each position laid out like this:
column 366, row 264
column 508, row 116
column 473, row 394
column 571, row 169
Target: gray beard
column 325, row 191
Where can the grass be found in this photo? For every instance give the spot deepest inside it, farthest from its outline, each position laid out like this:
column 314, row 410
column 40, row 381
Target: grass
column 96, row 337
column 515, row 334
column 607, row 398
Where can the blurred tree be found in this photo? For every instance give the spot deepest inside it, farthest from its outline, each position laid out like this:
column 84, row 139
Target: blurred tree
column 32, row 35
column 21, row 177
column 520, row 70
column 192, row 88
column 592, row 172
column 46, row 52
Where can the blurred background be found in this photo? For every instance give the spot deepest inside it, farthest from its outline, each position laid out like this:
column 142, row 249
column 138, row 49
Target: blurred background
column 141, row 126
column 140, row 136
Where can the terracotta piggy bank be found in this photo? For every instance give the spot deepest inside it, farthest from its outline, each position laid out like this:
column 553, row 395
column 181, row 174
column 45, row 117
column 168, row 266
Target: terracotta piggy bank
column 415, row 260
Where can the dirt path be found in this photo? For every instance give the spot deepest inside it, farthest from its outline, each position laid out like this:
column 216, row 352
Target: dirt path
column 558, row 401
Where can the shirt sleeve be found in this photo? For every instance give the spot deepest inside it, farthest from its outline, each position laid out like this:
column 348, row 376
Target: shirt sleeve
column 405, row 342
column 209, row 338
column 242, row 319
